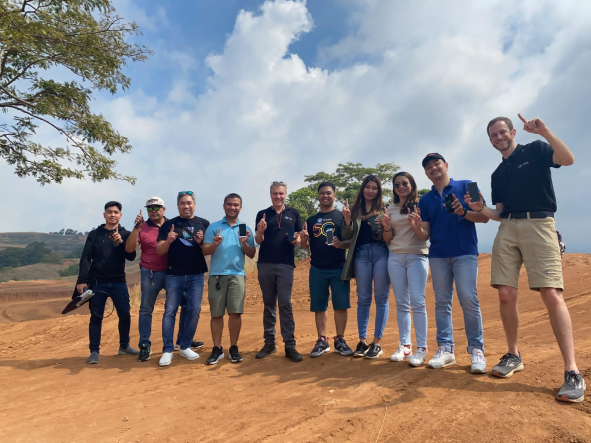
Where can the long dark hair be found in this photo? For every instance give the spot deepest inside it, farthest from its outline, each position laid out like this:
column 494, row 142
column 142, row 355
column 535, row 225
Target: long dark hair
column 412, row 197
column 358, row 209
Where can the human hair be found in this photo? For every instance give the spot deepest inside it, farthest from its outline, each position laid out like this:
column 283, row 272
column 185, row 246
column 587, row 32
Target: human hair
column 233, row 195
column 412, row 197
column 113, row 203
column 184, row 194
column 323, row 184
column 275, row 184
column 358, row 209
column 507, row 120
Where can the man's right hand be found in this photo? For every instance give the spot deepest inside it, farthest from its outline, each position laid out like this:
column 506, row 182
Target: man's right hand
column 81, row 287
column 172, row 236
column 475, row 206
column 347, row 213
column 262, row 226
column 304, row 236
column 139, row 222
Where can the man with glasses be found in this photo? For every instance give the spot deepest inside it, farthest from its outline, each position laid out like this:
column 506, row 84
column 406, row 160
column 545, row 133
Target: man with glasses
column 227, row 286
column 277, row 231
column 181, row 238
column 152, row 271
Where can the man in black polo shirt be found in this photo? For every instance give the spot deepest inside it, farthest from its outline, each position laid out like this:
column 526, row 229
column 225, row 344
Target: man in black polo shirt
column 182, row 237
column 326, row 269
column 525, row 205
column 274, row 226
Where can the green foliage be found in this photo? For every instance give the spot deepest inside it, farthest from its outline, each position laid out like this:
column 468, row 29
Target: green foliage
column 53, row 257
column 422, row 192
column 305, row 200
column 86, row 38
column 75, row 253
column 34, row 253
column 70, row 270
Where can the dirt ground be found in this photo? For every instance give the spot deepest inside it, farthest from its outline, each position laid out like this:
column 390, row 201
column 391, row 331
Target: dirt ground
column 49, row 394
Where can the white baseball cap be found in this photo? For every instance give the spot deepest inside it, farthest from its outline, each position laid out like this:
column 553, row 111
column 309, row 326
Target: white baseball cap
column 155, row 201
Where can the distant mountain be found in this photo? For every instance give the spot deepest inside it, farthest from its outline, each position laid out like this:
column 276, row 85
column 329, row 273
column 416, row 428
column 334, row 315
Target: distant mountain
column 57, row 242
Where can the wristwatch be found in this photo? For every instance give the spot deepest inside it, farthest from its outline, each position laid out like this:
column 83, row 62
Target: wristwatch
column 465, row 212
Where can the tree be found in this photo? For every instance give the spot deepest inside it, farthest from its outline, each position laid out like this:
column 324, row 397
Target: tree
column 53, row 257
column 70, row 231
column 70, row 270
column 86, row 38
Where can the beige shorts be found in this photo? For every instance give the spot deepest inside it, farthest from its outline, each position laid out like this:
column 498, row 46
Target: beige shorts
column 532, row 242
column 230, row 295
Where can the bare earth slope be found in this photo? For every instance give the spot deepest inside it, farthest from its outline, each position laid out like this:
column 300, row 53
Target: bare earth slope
column 48, row 394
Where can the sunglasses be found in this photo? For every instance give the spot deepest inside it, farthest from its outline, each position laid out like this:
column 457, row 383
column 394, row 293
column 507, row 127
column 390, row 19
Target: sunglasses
column 153, row 208
column 185, row 193
column 403, row 184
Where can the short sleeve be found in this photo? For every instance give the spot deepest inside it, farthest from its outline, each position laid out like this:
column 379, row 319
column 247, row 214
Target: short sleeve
column 298, row 222
column 208, row 236
column 423, row 207
column 250, row 240
column 164, row 230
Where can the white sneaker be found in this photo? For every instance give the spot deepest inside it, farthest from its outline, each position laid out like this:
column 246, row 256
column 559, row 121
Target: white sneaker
column 177, row 347
column 402, row 353
column 478, row 362
column 189, row 354
column 442, row 359
column 165, row 359
column 418, row 358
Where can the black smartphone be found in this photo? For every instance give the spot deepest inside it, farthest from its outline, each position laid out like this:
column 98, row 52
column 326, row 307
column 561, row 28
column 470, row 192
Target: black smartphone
column 449, row 200
column 329, row 236
column 290, row 234
column 373, row 223
column 198, row 227
column 473, row 191
column 242, row 229
column 412, row 207
column 137, row 225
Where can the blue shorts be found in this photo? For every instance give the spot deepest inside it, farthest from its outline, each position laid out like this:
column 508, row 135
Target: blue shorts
column 320, row 282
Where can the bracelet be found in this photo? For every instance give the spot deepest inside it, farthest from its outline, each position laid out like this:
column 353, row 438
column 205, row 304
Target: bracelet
column 483, row 206
column 387, row 230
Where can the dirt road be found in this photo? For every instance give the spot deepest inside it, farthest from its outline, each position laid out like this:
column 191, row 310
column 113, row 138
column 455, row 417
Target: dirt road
column 49, row 395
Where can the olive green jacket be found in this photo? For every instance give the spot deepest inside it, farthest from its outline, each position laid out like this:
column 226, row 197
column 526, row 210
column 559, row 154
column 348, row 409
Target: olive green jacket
column 351, row 233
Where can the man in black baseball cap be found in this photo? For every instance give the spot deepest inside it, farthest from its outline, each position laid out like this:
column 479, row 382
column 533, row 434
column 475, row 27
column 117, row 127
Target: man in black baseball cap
column 433, row 155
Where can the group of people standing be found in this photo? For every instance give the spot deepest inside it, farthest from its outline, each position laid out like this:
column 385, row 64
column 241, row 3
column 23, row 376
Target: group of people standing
column 379, row 247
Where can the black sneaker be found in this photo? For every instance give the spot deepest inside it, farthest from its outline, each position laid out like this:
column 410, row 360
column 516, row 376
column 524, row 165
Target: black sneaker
column 509, row 364
column 293, row 355
column 341, row 346
column 573, row 389
column 268, row 349
column 320, row 347
column 197, row 344
column 216, row 355
column 361, row 349
column 374, row 351
column 235, row 356
column 145, row 352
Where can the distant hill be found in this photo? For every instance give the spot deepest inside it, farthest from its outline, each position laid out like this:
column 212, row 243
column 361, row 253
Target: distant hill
column 57, row 242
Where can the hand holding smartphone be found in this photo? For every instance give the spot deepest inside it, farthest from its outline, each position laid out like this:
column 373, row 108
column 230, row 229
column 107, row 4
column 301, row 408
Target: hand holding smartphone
column 241, row 229
column 412, row 208
column 449, row 203
column 329, row 237
column 290, row 234
column 473, row 191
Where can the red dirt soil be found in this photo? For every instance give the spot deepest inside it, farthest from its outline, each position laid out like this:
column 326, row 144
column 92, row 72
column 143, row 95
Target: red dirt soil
column 49, row 394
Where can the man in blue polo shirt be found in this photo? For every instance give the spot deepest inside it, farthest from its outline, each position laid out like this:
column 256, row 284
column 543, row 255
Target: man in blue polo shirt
column 226, row 284
column 453, row 256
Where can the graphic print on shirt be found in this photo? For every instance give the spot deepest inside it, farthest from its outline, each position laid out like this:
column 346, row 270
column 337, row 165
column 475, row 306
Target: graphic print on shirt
column 186, row 236
column 321, row 226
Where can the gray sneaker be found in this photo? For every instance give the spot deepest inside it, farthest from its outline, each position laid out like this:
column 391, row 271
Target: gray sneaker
column 93, row 359
column 128, row 351
column 573, row 389
column 509, row 364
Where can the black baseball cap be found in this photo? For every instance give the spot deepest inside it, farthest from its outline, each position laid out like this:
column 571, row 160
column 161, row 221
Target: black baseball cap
column 433, row 155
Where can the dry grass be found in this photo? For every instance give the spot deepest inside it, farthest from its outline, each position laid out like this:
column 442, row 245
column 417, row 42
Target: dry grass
column 135, row 295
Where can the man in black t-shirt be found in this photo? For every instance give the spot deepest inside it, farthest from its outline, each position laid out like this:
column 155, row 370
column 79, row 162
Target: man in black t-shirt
column 525, row 205
column 277, row 232
column 326, row 269
column 181, row 238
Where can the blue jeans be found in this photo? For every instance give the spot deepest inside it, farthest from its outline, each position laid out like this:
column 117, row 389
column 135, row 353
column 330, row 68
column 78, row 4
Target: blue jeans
column 120, row 296
column 464, row 270
column 371, row 265
column 408, row 274
column 192, row 287
column 149, row 295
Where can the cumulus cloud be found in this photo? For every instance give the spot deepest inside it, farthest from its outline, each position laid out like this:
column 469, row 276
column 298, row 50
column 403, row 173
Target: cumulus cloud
column 408, row 79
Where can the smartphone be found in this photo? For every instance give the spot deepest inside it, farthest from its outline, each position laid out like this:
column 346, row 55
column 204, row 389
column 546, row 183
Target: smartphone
column 373, row 224
column 242, row 229
column 473, row 191
column 198, row 227
column 290, row 234
column 449, row 207
column 412, row 207
column 329, row 236
column 137, row 225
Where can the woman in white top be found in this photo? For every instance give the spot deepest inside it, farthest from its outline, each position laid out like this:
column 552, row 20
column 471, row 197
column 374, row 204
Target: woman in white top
column 408, row 268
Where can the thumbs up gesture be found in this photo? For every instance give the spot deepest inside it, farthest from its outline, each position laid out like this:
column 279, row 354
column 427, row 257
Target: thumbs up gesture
column 172, row 236
column 262, row 224
column 218, row 238
column 347, row 213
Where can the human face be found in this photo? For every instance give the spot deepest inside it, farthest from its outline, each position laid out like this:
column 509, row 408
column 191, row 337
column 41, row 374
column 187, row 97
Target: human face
column 156, row 216
column 232, row 208
column 436, row 169
column 370, row 191
column 278, row 196
column 501, row 137
column 112, row 215
column 402, row 187
column 326, row 197
column 186, row 206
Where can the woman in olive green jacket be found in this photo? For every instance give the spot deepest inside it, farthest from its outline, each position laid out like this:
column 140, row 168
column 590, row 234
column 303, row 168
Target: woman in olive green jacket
column 367, row 261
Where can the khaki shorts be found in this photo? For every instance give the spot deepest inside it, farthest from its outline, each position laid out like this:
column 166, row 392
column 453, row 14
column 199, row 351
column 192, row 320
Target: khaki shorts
column 530, row 241
column 230, row 295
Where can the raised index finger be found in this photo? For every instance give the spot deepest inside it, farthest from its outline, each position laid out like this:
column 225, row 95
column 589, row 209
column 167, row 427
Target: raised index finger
column 219, row 231
column 140, row 212
column 172, row 228
column 347, row 203
column 521, row 118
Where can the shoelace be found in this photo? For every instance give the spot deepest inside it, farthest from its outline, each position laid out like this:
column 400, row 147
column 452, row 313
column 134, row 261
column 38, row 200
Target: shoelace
column 571, row 379
column 508, row 358
column 439, row 353
column 478, row 357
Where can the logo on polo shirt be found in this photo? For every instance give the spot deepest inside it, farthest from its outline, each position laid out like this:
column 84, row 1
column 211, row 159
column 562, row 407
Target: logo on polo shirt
column 522, row 165
column 287, row 218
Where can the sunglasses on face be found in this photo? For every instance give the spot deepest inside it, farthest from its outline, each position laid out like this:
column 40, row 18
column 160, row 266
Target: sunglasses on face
column 153, row 208
column 403, row 184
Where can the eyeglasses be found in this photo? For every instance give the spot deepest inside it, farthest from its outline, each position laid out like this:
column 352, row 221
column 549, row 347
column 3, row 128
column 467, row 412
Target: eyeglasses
column 153, row 208
column 185, row 193
column 403, row 184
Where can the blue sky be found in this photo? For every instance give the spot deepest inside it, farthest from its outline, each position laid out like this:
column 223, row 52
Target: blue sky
column 241, row 93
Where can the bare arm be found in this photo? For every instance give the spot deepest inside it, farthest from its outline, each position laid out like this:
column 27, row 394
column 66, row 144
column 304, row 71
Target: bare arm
column 208, row 248
column 480, row 208
column 131, row 244
column 562, row 154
